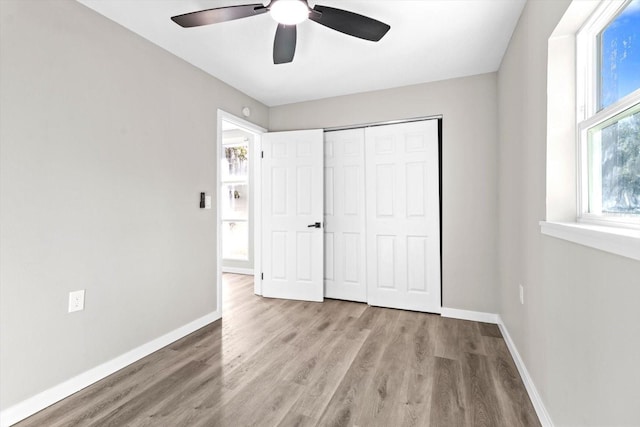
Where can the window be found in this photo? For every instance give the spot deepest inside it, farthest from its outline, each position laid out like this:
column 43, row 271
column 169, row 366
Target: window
column 234, row 198
column 608, row 114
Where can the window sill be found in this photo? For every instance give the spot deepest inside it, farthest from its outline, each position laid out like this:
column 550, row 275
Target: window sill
column 618, row 241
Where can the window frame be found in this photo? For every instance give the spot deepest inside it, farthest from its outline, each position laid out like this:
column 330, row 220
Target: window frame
column 587, row 114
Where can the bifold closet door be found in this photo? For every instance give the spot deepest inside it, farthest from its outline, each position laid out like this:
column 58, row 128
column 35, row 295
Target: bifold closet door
column 344, row 215
column 403, row 216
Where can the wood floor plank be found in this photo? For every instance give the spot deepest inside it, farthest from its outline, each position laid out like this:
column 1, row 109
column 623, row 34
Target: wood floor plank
column 128, row 411
column 517, row 409
column 447, row 338
column 447, row 401
column 324, row 377
column 351, row 398
column 272, row 362
column 489, row 330
column 415, row 400
column 456, row 337
column 480, row 391
column 293, row 419
column 381, row 408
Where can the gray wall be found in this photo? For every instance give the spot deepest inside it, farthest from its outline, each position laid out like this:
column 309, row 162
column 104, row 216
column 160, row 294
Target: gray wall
column 106, row 143
column 578, row 329
column 470, row 199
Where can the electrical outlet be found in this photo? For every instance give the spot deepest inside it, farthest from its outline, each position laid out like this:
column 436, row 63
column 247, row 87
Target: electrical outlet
column 76, row 300
column 521, row 294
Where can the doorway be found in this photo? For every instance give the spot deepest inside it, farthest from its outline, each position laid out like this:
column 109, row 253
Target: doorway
column 235, row 197
column 236, row 211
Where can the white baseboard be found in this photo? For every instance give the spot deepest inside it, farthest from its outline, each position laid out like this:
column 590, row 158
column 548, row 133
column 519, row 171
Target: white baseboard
column 48, row 397
column 541, row 410
column 237, row 270
column 476, row 316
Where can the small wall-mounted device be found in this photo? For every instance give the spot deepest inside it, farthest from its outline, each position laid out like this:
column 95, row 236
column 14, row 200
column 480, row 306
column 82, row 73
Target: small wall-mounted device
column 76, row 300
column 205, row 201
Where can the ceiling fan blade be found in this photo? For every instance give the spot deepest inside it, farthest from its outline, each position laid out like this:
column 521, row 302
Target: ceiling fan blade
column 349, row 23
column 219, row 14
column 284, row 44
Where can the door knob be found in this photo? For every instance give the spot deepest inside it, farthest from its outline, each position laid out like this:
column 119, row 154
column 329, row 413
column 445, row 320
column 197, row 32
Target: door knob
column 314, row 225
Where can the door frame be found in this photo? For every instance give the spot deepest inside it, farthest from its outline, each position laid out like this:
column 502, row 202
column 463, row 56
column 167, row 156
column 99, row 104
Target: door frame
column 257, row 131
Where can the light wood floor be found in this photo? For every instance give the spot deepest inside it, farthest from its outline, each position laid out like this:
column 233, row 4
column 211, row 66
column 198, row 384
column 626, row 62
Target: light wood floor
column 289, row 363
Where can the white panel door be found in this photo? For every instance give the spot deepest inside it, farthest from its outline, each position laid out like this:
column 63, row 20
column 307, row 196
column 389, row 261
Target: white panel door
column 292, row 254
column 344, row 213
column 403, row 216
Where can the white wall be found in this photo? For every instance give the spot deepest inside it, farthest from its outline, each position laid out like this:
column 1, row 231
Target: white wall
column 578, row 329
column 106, row 143
column 469, row 218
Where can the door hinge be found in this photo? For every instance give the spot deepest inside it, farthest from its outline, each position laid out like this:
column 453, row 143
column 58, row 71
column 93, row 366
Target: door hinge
column 262, row 154
column 261, row 276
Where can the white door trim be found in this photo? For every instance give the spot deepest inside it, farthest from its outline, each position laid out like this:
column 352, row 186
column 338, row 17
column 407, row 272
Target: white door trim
column 257, row 191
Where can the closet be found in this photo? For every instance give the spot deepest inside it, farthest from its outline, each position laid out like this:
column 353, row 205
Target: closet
column 382, row 215
column 381, row 212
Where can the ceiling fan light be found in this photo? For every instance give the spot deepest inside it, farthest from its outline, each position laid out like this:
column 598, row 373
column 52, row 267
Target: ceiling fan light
column 289, row 12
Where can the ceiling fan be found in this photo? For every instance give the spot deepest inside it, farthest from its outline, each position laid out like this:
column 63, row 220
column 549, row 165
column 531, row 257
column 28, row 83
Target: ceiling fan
column 289, row 13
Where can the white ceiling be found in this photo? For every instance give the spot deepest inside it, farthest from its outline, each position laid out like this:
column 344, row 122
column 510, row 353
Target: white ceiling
column 429, row 40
